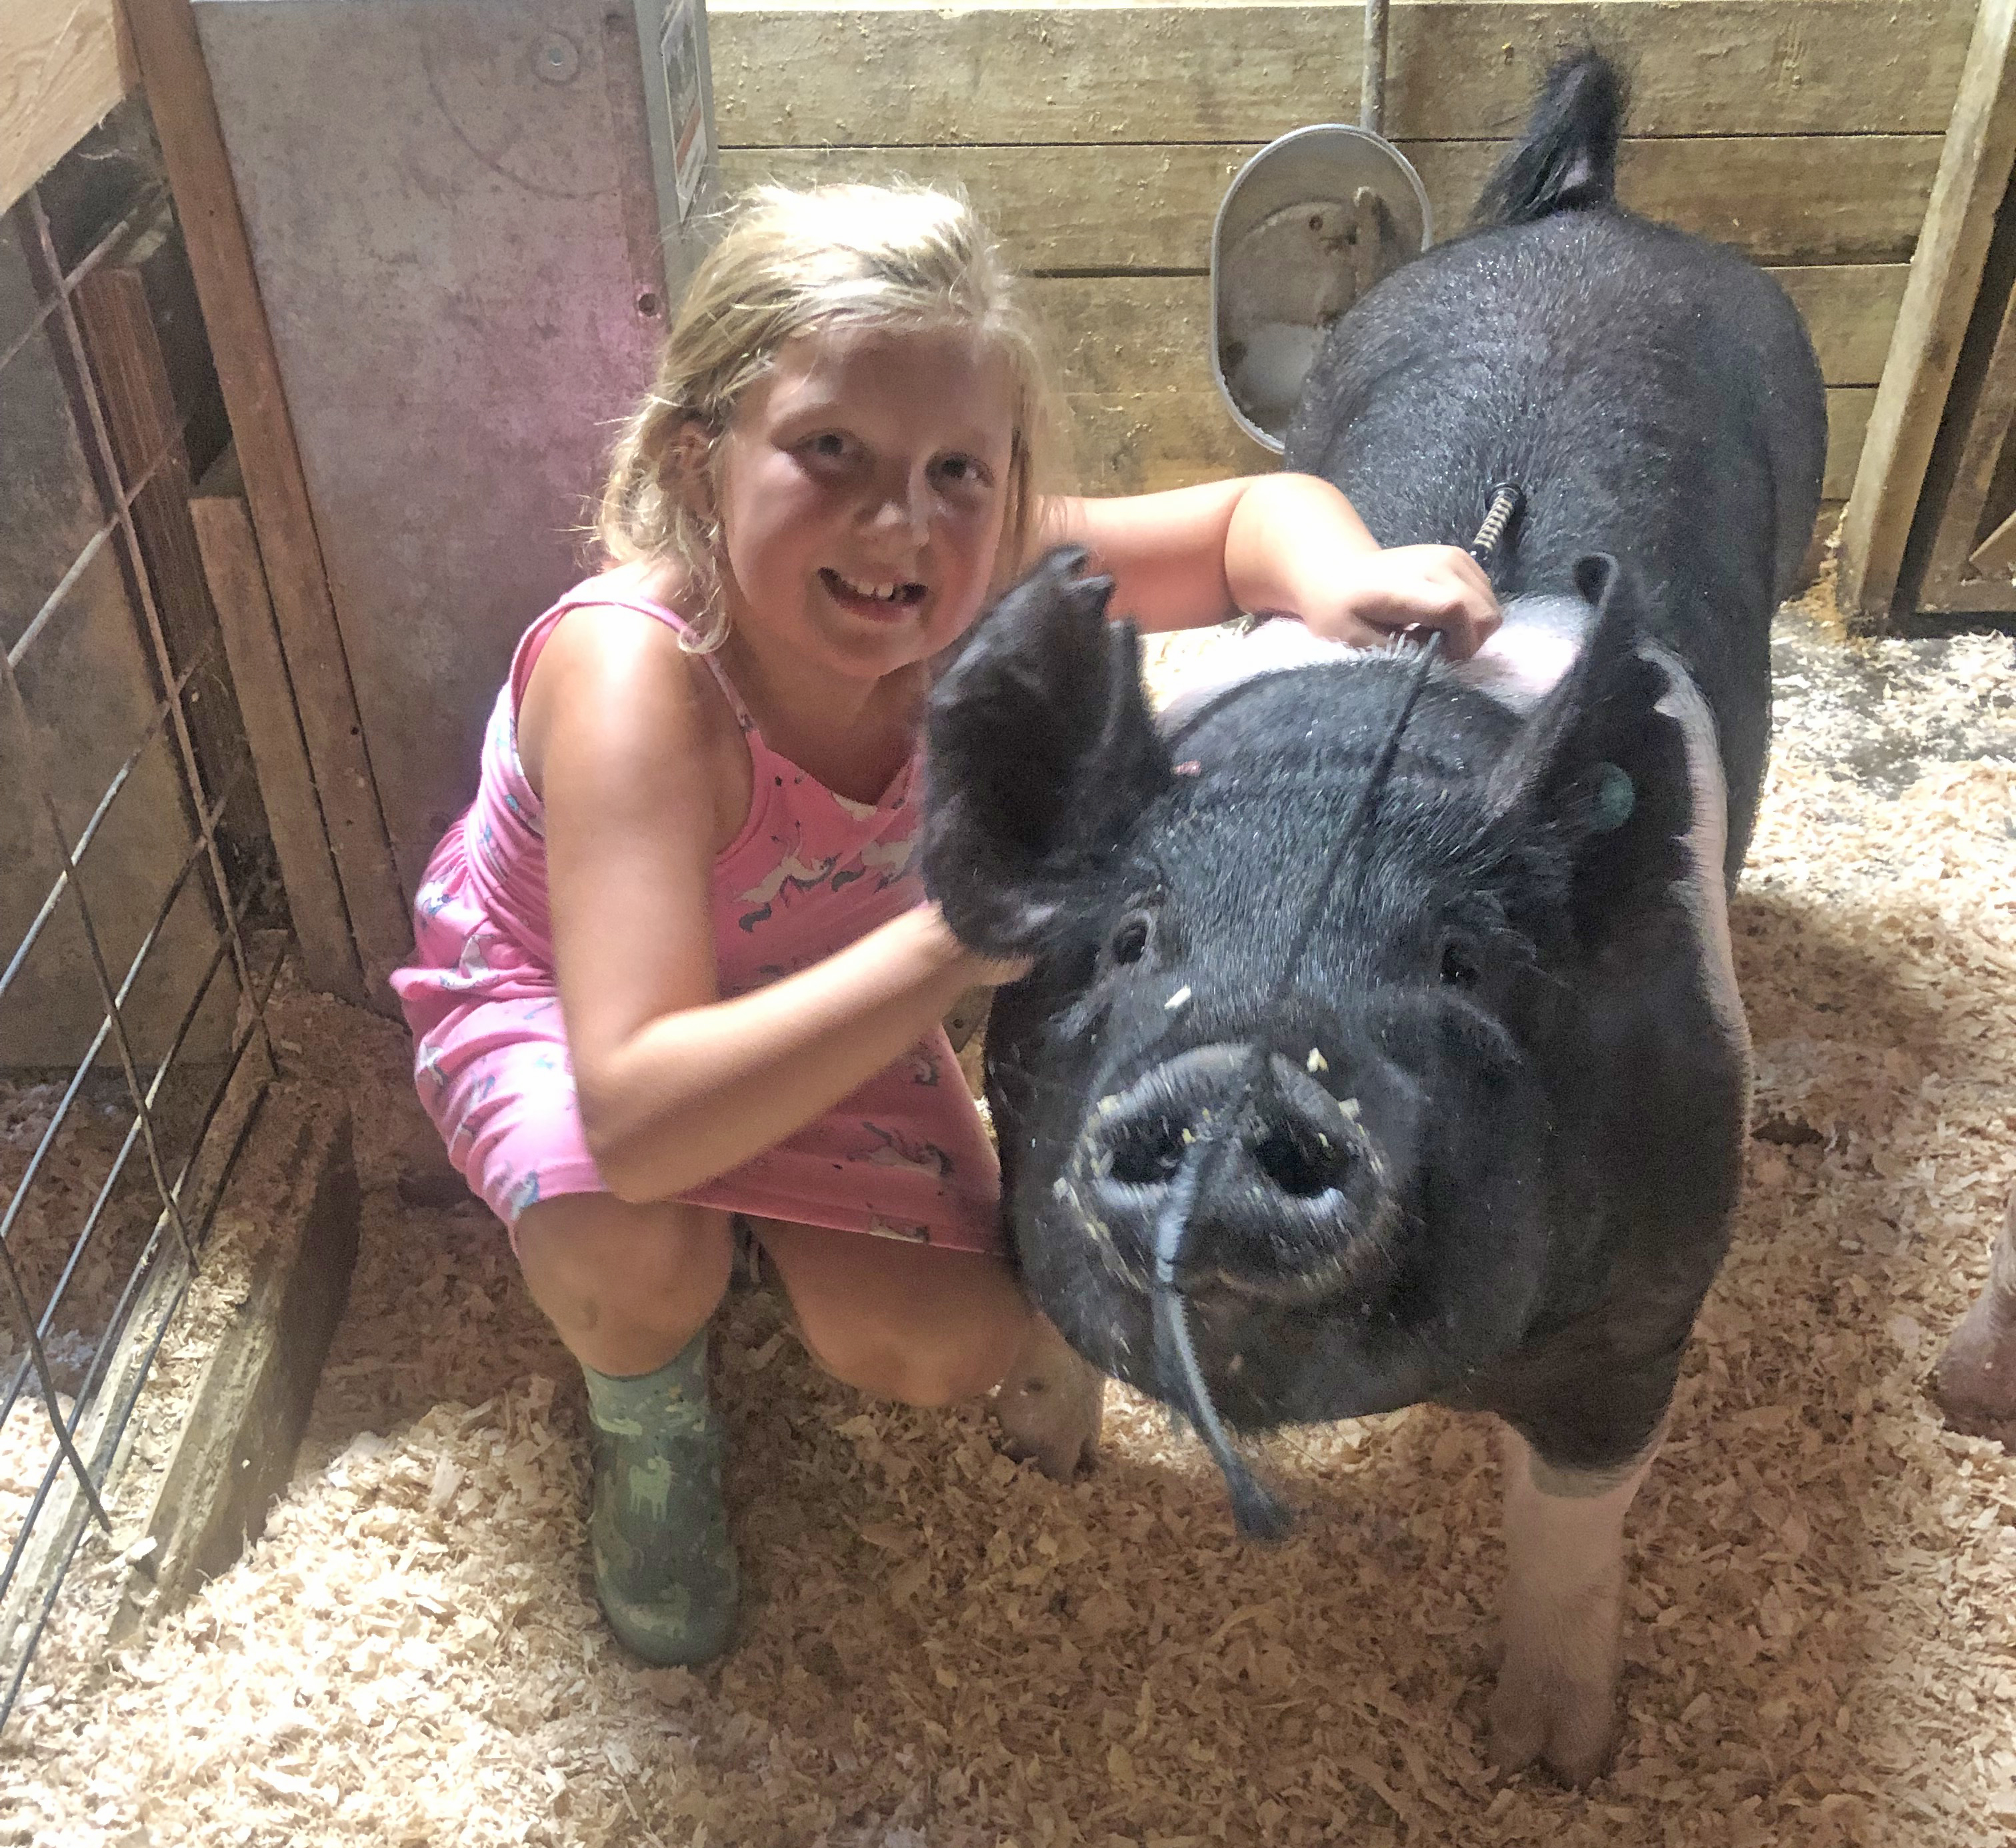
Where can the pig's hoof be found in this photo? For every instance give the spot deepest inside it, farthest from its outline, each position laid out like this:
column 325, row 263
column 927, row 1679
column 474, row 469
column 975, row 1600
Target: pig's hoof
column 1975, row 1380
column 1050, row 1403
column 1053, row 1424
column 1570, row 1728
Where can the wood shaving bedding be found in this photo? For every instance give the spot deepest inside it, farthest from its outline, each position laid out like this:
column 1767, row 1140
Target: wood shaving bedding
column 943, row 1650
column 41, row 1245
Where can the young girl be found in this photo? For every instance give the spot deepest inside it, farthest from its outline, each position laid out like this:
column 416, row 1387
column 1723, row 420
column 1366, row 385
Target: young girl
column 674, row 964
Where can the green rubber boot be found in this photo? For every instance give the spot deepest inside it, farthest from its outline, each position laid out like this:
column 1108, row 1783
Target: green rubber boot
column 664, row 1566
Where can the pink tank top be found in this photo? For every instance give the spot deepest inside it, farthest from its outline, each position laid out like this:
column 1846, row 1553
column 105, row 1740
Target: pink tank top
column 904, row 1156
column 809, row 872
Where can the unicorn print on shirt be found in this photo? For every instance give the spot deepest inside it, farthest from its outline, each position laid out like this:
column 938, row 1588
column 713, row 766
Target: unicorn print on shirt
column 800, row 875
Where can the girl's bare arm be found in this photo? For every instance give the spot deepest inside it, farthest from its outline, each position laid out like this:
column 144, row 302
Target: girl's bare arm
column 1284, row 543
column 676, row 1085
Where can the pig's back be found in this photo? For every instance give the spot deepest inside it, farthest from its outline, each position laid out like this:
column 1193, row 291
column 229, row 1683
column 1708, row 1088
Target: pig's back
column 1654, row 395
column 1618, row 370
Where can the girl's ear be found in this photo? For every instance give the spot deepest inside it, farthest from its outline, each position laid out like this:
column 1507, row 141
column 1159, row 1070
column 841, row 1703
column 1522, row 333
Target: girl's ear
column 690, row 463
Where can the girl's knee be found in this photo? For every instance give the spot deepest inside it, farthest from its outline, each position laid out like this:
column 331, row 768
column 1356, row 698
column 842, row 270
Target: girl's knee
column 932, row 1349
column 908, row 1366
column 618, row 1281
column 973, row 1365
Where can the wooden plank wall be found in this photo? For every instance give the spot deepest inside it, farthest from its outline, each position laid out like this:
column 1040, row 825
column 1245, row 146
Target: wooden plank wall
column 1098, row 140
column 63, row 64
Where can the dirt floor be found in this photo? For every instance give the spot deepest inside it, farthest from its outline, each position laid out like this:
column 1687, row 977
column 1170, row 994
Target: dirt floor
column 943, row 1650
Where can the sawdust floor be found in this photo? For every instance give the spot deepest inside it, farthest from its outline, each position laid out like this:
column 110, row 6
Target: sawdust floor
column 945, row 1651
column 43, row 1251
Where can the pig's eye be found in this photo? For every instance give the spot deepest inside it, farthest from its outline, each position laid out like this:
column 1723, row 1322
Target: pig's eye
column 1130, row 941
column 1460, row 968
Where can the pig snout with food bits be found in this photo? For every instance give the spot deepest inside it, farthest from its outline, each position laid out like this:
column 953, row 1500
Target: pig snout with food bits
column 1382, row 1043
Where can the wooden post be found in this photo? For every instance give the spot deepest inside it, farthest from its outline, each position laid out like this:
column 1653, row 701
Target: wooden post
column 178, row 87
column 1996, row 556
column 297, row 1189
column 273, row 729
column 1938, row 298
column 144, row 433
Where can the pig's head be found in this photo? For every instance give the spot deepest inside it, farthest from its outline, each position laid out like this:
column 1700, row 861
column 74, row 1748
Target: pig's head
column 1371, row 1224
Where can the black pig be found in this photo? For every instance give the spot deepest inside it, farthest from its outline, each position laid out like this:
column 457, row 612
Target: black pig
column 1478, row 1140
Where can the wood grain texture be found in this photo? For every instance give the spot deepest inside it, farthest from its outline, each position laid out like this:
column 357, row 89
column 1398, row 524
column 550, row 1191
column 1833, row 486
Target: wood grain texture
column 1134, row 442
column 251, row 1404
column 1996, row 556
column 1849, row 313
column 1790, row 200
column 921, row 75
column 206, row 203
column 63, row 64
column 1968, row 191
column 1143, row 333
column 1971, row 452
column 144, row 427
column 223, row 524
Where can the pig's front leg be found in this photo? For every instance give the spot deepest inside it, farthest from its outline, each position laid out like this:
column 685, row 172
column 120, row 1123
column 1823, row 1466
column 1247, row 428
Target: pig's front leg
column 1050, row 1404
column 1556, row 1695
column 1975, row 1381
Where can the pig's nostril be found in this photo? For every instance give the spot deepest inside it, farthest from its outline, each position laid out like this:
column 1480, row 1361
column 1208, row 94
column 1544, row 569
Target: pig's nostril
column 1299, row 1159
column 1148, row 1150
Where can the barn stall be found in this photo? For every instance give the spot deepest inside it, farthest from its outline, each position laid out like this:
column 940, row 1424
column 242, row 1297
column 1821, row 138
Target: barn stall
column 940, row 1648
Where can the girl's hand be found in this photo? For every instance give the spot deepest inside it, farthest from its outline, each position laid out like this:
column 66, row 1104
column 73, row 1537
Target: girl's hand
column 1286, row 545
column 977, row 969
column 1376, row 595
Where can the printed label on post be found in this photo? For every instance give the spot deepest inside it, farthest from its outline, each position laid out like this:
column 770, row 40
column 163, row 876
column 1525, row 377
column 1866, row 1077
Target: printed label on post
column 678, row 52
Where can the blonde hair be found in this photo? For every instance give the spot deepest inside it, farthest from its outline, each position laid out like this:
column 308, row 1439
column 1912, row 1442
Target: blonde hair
column 836, row 257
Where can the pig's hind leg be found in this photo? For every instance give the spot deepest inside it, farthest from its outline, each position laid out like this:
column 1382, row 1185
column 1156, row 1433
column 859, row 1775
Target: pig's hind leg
column 1975, row 1381
column 1556, row 1695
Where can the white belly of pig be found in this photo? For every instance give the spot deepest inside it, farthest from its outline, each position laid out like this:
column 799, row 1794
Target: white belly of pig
column 1534, row 646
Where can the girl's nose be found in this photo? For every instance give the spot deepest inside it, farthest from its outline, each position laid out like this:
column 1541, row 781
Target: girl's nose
column 903, row 509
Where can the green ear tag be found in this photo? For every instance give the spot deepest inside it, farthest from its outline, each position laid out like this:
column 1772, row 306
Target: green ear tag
column 1615, row 797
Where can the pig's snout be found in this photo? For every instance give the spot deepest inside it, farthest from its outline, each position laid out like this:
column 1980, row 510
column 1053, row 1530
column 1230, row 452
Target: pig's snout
column 1296, row 1193
column 1291, row 1134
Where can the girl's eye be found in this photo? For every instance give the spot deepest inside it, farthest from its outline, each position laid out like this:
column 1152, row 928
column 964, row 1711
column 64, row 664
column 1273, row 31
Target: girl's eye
column 961, row 470
column 829, row 447
column 1130, row 940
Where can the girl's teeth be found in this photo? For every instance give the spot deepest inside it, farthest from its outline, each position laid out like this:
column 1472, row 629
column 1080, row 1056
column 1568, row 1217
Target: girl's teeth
column 885, row 593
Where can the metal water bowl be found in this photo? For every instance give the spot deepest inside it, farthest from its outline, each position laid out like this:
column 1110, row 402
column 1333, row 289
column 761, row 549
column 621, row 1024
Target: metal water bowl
column 1309, row 224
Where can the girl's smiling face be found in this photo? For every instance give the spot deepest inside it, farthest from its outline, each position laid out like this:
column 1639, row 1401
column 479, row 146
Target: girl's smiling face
column 862, row 491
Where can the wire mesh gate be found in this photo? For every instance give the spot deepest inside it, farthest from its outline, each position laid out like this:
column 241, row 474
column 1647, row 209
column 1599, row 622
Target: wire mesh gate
column 141, row 924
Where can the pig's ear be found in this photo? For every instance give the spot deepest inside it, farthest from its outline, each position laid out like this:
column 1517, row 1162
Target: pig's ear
column 1596, row 759
column 1039, row 753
